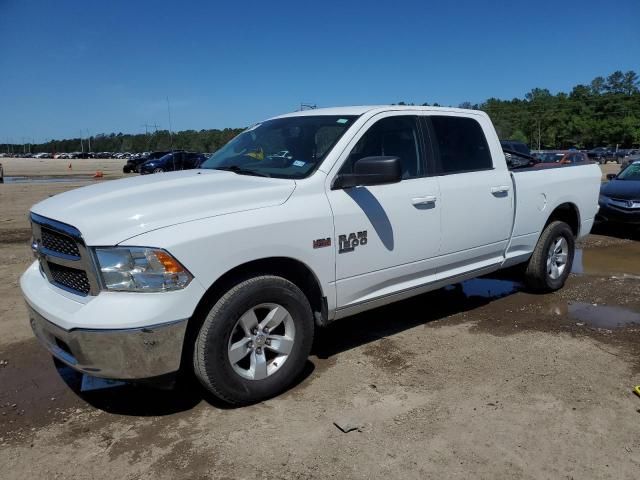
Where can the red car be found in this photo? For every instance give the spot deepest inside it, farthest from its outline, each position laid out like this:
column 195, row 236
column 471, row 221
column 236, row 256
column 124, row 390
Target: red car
column 549, row 159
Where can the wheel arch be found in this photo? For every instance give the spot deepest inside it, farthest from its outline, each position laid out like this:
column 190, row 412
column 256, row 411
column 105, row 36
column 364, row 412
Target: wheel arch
column 567, row 212
column 293, row 270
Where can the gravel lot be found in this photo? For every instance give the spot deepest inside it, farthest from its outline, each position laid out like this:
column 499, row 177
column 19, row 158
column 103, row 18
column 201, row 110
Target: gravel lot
column 479, row 380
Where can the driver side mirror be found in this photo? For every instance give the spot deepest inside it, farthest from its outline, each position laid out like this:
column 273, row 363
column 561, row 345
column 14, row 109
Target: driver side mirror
column 611, row 176
column 369, row 171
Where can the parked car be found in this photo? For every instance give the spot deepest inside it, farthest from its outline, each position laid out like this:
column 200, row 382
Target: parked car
column 620, row 197
column 515, row 146
column 550, row 159
column 133, row 164
column 602, row 155
column 632, row 155
column 228, row 270
column 172, row 162
column 550, row 156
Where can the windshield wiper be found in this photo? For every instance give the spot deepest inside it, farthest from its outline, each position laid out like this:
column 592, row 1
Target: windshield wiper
column 242, row 171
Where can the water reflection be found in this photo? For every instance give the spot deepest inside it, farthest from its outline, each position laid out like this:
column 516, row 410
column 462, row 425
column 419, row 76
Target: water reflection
column 599, row 316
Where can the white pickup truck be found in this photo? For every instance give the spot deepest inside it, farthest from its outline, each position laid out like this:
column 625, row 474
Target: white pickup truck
column 225, row 271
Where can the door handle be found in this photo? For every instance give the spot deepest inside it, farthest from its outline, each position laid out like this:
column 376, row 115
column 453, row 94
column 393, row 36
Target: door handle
column 424, row 201
column 500, row 189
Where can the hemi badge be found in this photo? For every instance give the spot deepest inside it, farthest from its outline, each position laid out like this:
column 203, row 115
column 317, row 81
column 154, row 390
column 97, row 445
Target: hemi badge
column 322, row 242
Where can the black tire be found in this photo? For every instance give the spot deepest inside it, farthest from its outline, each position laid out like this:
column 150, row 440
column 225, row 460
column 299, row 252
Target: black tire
column 211, row 362
column 125, row 169
column 537, row 277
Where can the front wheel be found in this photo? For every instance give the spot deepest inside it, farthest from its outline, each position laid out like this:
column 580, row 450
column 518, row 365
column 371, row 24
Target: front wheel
column 158, row 170
column 255, row 341
column 552, row 259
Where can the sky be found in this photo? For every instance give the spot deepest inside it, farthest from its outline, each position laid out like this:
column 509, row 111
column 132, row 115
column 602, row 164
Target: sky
column 88, row 66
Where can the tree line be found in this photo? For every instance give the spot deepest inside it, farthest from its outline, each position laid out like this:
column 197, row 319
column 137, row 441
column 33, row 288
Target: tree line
column 161, row 140
column 605, row 112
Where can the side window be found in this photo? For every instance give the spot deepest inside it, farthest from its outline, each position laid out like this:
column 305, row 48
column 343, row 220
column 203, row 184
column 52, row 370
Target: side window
column 189, row 160
column 461, row 145
column 177, row 160
column 392, row 136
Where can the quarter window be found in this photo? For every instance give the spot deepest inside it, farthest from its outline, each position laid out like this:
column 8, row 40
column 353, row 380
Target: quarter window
column 461, row 145
column 392, row 136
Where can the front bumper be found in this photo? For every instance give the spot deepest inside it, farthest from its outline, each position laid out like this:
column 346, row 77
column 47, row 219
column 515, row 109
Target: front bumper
column 608, row 213
column 117, row 335
column 123, row 354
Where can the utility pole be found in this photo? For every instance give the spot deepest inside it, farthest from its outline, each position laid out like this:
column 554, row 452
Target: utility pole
column 81, row 144
column 147, row 126
column 170, row 133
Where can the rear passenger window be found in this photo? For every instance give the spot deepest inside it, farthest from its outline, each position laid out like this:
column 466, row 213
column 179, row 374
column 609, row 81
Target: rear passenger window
column 460, row 145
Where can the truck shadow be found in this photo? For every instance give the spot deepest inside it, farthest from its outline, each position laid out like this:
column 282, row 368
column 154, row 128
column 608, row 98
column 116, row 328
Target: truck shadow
column 148, row 401
column 140, row 400
column 420, row 310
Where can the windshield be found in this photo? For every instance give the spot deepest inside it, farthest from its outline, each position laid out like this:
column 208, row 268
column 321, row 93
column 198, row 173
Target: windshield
column 289, row 147
column 164, row 158
column 632, row 172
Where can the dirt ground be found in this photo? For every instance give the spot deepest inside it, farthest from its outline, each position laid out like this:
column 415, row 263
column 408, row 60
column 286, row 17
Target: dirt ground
column 478, row 380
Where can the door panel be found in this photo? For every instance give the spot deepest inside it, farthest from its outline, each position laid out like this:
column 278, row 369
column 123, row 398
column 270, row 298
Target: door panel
column 387, row 236
column 477, row 211
column 402, row 238
column 477, row 198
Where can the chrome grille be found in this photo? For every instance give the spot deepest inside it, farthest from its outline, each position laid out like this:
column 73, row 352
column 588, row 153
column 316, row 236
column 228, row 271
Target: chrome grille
column 60, row 243
column 70, row 278
column 625, row 203
column 64, row 258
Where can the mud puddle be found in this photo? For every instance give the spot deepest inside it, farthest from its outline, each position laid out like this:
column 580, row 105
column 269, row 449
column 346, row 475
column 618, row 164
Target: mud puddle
column 622, row 259
column 49, row 179
column 489, row 288
column 608, row 317
column 33, row 394
column 15, row 235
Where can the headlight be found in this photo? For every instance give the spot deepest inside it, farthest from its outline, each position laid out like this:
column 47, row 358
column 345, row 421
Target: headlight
column 603, row 199
column 141, row 269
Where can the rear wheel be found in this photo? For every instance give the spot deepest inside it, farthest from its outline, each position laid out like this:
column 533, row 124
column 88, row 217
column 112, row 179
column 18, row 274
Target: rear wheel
column 158, row 170
column 552, row 259
column 255, row 341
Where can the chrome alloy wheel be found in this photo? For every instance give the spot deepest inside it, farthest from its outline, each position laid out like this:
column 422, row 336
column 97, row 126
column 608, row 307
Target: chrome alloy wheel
column 261, row 341
column 557, row 257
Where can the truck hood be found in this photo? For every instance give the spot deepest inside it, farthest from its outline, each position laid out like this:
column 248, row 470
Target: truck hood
column 113, row 211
